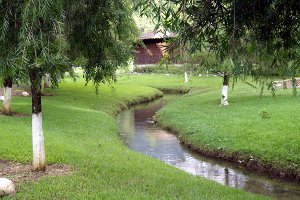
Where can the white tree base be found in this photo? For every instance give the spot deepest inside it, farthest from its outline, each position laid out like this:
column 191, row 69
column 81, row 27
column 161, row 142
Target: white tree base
column 47, row 80
column 186, row 80
column 224, row 98
column 38, row 143
column 7, row 100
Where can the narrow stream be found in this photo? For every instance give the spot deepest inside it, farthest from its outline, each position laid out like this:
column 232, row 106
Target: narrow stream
column 139, row 132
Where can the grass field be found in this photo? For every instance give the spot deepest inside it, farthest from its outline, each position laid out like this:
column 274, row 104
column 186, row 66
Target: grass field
column 253, row 129
column 80, row 131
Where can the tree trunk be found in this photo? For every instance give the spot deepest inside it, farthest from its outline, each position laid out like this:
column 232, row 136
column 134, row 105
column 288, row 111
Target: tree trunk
column 39, row 163
column 7, row 83
column 224, row 98
column 186, row 77
column 47, row 80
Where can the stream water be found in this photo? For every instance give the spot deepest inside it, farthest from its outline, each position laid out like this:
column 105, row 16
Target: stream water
column 139, row 132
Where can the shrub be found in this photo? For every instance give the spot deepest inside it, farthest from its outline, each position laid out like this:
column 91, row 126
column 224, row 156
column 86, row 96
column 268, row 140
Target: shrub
column 264, row 114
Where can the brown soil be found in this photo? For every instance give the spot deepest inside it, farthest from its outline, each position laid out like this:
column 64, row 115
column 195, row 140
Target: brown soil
column 174, row 90
column 19, row 173
column 14, row 114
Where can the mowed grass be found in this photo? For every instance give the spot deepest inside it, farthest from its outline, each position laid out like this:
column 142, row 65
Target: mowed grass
column 80, row 131
column 238, row 128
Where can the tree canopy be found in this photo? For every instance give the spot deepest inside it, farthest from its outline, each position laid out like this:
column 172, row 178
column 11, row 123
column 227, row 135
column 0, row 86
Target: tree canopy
column 9, row 28
column 260, row 36
column 101, row 32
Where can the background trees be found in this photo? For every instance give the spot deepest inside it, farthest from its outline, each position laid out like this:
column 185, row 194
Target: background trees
column 9, row 29
column 261, row 37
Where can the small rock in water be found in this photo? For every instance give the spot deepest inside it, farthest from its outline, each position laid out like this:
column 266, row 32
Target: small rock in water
column 25, row 94
column 150, row 121
column 7, row 187
column 2, row 98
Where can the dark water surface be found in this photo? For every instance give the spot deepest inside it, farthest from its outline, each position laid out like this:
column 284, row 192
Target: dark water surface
column 139, row 132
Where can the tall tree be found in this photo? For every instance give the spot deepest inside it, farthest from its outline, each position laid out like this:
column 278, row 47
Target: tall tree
column 9, row 29
column 98, row 31
column 43, row 49
column 102, row 32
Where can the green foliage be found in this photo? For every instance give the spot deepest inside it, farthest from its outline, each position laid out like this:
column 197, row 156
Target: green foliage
column 203, row 61
column 102, row 32
column 43, row 35
column 43, row 44
column 9, row 29
column 160, row 69
column 264, row 114
column 143, row 23
column 261, row 37
column 199, row 62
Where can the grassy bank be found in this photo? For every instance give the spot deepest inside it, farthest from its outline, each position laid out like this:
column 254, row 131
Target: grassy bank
column 80, row 131
column 258, row 133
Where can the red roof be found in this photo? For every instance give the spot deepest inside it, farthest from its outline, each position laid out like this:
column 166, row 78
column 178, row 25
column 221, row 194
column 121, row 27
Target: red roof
column 156, row 35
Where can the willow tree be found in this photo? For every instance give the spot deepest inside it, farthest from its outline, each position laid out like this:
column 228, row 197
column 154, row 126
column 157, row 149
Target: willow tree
column 47, row 36
column 9, row 30
column 261, row 38
column 102, row 32
column 43, row 48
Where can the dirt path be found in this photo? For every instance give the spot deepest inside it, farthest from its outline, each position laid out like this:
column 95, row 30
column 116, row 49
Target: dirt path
column 19, row 173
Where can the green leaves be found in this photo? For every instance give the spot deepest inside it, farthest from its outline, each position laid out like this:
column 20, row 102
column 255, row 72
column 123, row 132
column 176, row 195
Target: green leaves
column 102, row 32
column 44, row 34
column 9, row 26
column 262, row 35
column 264, row 114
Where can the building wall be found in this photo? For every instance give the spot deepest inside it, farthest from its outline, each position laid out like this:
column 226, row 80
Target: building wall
column 151, row 53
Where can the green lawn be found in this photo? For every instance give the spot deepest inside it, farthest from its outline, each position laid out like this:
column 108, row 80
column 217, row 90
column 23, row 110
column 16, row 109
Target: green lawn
column 238, row 129
column 80, row 131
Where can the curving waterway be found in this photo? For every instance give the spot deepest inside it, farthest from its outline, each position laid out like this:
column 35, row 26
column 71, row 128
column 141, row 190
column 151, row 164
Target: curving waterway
column 139, row 132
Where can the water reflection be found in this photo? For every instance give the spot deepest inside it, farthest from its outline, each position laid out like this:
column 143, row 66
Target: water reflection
column 140, row 134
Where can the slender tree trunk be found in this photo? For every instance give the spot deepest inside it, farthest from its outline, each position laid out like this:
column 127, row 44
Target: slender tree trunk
column 47, row 80
column 7, row 83
column 224, row 98
column 186, row 77
column 39, row 163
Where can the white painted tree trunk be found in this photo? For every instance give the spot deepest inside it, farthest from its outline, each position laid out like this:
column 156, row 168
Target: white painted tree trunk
column 47, row 80
column 224, row 98
column 7, row 101
column 39, row 163
column 186, row 77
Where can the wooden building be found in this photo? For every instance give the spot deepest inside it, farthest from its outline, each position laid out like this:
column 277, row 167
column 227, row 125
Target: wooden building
column 152, row 49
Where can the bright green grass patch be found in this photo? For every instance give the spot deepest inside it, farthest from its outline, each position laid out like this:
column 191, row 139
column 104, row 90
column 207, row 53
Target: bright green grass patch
column 80, row 131
column 173, row 82
column 239, row 127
